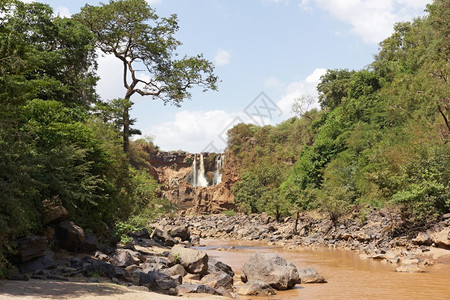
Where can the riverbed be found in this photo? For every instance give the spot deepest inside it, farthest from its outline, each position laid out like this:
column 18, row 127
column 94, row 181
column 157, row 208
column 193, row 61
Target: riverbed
column 348, row 276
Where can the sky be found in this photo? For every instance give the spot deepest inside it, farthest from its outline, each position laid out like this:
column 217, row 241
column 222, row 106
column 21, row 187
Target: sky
column 266, row 54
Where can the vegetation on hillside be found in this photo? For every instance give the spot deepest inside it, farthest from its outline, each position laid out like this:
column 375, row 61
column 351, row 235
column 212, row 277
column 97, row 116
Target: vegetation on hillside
column 58, row 141
column 381, row 138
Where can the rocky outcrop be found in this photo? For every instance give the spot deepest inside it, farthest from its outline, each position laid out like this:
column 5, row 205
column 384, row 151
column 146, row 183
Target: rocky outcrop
column 69, row 235
column 32, row 247
column 256, row 288
column 271, row 269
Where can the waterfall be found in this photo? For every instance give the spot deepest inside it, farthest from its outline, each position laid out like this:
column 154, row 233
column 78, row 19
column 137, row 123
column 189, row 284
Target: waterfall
column 218, row 169
column 198, row 174
column 201, row 178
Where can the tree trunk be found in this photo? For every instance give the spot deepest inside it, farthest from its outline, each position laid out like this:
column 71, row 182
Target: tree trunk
column 126, row 129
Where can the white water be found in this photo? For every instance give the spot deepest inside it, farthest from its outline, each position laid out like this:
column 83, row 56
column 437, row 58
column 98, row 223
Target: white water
column 218, row 169
column 201, row 178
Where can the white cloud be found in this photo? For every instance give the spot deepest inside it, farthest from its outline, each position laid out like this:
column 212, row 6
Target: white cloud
column 305, row 5
column 372, row 20
column 222, row 57
column 110, row 85
column 299, row 88
column 153, row 1
column 192, row 131
column 62, row 12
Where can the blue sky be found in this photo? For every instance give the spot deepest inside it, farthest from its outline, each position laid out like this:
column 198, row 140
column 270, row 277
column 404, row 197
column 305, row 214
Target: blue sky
column 278, row 47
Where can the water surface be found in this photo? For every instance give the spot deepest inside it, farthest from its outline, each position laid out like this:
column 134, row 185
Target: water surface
column 348, row 276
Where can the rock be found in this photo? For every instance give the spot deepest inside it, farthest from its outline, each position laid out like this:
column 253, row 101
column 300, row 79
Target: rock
column 271, row 269
column 19, row 277
column 157, row 282
column 53, row 211
column 182, row 232
column 195, row 240
column 194, row 261
column 256, row 288
column 46, row 262
column 32, row 247
column 122, row 258
column 310, row 276
column 176, row 270
column 215, row 266
column 163, row 237
column 70, row 236
column 189, row 288
column 442, row 238
column 99, row 267
column 56, row 277
column 89, row 245
column 217, row 280
column 141, row 234
column 422, row 239
column 408, row 268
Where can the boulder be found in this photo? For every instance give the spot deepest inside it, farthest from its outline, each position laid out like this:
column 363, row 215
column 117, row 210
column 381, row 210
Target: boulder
column 98, row 267
column 70, row 236
column 215, row 266
column 310, row 276
column 408, row 268
column 176, row 270
column 32, row 247
column 422, row 239
column 163, row 237
column 271, row 269
column 89, row 245
column 194, row 261
column 122, row 258
column 218, row 280
column 181, row 231
column 53, row 211
column 158, row 282
column 46, row 262
column 189, row 288
column 256, row 288
column 442, row 238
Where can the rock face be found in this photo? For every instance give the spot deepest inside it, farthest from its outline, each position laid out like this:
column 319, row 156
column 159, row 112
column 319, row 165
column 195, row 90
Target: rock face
column 174, row 170
column 271, row 269
column 194, row 261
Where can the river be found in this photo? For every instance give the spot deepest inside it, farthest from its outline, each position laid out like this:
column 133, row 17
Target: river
column 348, row 276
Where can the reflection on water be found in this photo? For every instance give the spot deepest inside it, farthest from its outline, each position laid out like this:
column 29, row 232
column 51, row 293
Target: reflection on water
column 348, row 276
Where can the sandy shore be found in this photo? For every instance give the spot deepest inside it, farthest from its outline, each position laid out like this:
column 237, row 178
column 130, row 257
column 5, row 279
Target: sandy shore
column 51, row 289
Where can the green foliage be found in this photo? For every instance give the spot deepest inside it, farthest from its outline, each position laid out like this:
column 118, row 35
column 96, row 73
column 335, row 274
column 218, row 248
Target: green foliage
column 229, row 212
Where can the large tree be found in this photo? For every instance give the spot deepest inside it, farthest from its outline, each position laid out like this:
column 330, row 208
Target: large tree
column 132, row 32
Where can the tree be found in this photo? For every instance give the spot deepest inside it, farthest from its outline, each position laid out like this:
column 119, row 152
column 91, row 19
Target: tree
column 333, row 87
column 301, row 106
column 131, row 31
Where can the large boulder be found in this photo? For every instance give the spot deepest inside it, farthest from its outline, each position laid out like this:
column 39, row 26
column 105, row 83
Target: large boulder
column 122, row 258
column 46, row 262
column 218, row 280
column 310, row 276
column 32, row 247
column 194, row 261
column 271, row 269
column 181, row 231
column 70, row 236
column 256, row 288
column 442, row 238
column 158, row 282
column 54, row 211
column 215, row 266
column 163, row 237
column 89, row 245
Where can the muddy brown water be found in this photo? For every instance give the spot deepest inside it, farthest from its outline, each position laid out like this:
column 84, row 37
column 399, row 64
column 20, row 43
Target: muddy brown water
column 348, row 276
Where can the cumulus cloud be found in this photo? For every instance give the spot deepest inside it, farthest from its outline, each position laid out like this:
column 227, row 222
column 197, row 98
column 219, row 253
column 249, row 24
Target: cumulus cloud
column 273, row 82
column 194, row 131
column 372, row 20
column 110, row 85
column 222, row 57
column 62, row 12
column 299, row 88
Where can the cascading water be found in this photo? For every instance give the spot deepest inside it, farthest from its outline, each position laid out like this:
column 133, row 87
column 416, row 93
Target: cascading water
column 198, row 175
column 218, row 169
column 201, row 178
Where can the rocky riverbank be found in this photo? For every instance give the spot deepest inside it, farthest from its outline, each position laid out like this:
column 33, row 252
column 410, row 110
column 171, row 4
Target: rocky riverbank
column 378, row 237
